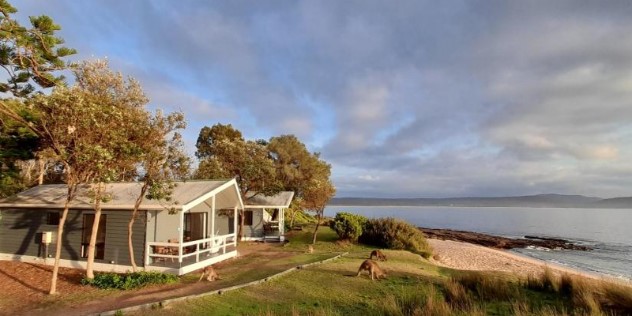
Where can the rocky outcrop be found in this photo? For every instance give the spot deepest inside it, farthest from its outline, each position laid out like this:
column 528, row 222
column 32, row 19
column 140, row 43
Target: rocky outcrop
column 500, row 242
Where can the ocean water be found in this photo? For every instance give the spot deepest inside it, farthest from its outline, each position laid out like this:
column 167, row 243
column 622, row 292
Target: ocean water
column 607, row 231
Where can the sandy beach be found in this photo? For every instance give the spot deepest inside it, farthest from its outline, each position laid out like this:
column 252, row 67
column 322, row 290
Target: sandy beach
column 465, row 256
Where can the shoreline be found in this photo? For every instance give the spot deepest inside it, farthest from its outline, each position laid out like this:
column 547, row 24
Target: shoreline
column 467, row 256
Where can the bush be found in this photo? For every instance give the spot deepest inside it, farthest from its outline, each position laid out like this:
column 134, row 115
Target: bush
column 348, row 226
column 395, row 234
column 128, row 281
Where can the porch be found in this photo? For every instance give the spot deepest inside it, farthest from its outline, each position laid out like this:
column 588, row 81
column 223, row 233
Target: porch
column 182, row 258
column 202, row 233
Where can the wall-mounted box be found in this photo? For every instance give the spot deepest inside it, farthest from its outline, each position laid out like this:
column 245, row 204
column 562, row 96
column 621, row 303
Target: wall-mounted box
column 47, row 237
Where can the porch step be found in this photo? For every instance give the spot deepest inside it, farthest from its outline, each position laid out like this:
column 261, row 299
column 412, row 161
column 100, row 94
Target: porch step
column 271, row 238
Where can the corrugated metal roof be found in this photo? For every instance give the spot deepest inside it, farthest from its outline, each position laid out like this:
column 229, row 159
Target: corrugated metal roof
column 279, row 200
column 123, row 196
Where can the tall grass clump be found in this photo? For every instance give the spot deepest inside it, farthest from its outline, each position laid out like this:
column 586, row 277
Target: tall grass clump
column 545, row 282
column 456, row 295
column 348, row 226
column 488, row 287
column 617, row 297
column 393, row 233
column 128, row 281
column 585, row 295
column 423, row 301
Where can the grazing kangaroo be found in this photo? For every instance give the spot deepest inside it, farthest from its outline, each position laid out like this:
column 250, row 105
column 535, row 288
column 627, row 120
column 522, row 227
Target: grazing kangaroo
column 210, row 274
column 373, row 268
column 378, row 254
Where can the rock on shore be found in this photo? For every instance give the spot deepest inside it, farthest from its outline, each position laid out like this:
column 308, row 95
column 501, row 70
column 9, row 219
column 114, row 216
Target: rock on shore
column 500, row 242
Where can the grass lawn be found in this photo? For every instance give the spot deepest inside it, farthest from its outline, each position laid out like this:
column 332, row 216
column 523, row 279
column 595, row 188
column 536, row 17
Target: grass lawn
column 332, row 287
column 413, row 287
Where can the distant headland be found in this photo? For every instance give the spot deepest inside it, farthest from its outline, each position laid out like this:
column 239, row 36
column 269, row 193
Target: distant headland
column 540, row 200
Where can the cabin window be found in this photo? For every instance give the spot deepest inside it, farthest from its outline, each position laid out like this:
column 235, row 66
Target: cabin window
column 52, row 218
column 248, row 218
column 88, row 220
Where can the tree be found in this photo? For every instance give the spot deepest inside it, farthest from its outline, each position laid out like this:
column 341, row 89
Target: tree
column 116, row 143
column 209, row 136
column 317, row 195
column 29, row 54
column 18, row 144
column 90, row 130
column 30, row 58
column 62, row 123
column 163, row 160
column 225, row 154
column 296, row 169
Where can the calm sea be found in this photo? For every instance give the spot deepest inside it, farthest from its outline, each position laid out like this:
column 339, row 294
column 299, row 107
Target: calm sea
column 608, row 231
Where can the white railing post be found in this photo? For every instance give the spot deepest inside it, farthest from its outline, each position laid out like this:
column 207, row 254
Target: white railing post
column 197, row 252
column 148, row 248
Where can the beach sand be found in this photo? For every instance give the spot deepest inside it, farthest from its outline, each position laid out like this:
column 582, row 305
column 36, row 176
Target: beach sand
column 465, row 256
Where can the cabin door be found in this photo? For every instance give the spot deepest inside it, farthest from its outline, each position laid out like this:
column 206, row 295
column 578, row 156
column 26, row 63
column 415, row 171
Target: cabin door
column 231, row 225
column 194, row 226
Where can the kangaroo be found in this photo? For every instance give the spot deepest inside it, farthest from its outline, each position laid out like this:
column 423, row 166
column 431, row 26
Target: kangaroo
column 210, row 274
column 378, row 254
column 310, row 249
column 373, row 268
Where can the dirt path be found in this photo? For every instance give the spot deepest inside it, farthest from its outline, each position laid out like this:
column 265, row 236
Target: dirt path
column 27, row 284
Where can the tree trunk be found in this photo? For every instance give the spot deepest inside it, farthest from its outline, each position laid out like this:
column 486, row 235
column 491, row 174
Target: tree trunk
column 42, row 169
column 130, row 226
column 318, row 217
column 240, row 230
column 60, row 231
column 95, row 229
column 292, row 218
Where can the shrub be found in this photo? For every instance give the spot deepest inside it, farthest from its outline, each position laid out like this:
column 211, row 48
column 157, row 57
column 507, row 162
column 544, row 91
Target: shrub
column 348, row 226
column 129, row 280
column 393, row 233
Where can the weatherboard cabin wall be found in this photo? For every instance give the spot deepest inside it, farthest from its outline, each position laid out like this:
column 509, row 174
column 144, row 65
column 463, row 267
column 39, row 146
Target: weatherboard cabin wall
column 162, row 226
column 256, row 229
column 21, row 234
column 222, row 225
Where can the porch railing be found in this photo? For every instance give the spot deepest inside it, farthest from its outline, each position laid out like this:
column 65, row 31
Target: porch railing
column 156, row 250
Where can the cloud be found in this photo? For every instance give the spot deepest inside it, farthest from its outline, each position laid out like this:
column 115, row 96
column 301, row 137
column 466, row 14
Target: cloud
column 422, row 98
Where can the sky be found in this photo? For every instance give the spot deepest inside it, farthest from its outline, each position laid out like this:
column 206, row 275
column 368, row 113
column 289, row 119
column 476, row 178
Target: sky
column 402, row 98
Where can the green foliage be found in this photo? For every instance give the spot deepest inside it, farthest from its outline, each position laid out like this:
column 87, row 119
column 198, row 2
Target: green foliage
column 348, row 226
column 128, row 281
column 225, row 154
column 210, row 136
column 393, row 233
column 29, row 54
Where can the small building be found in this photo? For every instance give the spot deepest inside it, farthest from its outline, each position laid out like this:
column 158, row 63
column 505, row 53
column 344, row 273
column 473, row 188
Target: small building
column 195, row 229
column 264, row 216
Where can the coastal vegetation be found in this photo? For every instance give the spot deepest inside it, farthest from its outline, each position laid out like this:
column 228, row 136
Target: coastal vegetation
column 348, row 226
column 128, row 281
column 414, row 286
column 392, row 233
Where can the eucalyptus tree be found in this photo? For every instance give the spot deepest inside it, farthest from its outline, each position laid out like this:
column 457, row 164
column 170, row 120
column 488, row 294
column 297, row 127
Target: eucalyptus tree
column 92, row 130
column 118, row 138
column 224, row 153
column 163, row 160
